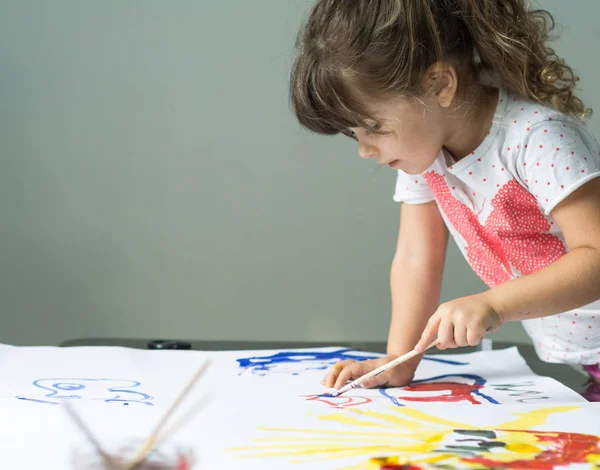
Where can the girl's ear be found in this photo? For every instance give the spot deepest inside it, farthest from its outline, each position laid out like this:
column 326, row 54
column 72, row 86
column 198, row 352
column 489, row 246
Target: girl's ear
column 441, row 80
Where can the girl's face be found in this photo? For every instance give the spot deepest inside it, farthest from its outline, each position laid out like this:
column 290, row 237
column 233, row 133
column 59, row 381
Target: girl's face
column 411, row 134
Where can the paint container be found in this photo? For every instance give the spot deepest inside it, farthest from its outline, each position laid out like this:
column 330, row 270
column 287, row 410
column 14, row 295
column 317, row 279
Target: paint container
column 164, row 457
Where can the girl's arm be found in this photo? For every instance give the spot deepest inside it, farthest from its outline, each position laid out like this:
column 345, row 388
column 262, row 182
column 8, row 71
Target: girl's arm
column 416, row 274
column 570, row 282
column 415, row 281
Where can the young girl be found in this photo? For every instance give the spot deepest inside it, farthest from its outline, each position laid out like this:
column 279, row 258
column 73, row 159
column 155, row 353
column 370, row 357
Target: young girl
column 478, row 116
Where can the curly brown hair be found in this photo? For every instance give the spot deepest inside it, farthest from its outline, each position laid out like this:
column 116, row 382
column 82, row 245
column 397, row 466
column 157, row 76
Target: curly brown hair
column 383, row 47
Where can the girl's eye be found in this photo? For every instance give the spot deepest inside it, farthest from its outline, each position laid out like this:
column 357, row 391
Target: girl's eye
column 374, row 128
column 366, row 131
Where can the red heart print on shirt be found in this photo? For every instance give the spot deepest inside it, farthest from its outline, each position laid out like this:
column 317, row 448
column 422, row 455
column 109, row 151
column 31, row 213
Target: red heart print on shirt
column 515, row 234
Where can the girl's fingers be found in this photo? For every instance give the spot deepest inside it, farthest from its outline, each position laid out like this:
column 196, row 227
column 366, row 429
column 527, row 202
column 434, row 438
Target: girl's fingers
column 381, row 379
column 397, row 376
column 429, row 333
column 460, row 335
column 334, row 371
column 446, row 334
column 473, row 337
column 351, row 372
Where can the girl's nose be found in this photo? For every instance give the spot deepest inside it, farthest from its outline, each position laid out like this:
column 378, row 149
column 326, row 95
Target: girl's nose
column 367, row 151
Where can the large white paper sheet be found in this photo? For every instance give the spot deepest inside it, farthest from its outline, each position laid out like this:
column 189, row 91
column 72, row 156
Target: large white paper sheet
column 268, row 410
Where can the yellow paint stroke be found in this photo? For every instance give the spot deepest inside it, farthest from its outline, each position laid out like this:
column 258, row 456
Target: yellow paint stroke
column 417, row 415
column 534, row 418
column 394, row 420
column 419, row 438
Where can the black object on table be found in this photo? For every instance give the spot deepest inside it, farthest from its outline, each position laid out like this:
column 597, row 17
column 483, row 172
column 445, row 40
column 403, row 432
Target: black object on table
column 168, row 344
column 565, row 374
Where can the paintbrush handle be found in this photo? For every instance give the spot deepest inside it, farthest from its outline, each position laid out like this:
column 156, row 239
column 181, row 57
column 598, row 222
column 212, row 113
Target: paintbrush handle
column 150, row 442
column 112, row 465
column 380, row 370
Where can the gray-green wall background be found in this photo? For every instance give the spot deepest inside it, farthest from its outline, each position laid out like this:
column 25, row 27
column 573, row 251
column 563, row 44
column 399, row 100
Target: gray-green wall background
column 154, row 183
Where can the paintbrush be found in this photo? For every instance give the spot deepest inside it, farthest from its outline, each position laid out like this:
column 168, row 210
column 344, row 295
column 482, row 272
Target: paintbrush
column 150, row 443
column 112, row 465
column 380, row 370
column 186, row 417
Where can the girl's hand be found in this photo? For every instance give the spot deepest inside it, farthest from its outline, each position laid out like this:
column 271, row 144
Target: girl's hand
column 349, row 370
column 461, row 322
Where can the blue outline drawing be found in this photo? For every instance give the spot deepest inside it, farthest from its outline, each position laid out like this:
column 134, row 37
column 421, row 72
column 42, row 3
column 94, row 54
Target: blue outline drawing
column 75, row 388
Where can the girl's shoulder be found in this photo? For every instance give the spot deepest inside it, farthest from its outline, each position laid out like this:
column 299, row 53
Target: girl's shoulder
column 548, row 152
column 524, row 129
column 520, row 117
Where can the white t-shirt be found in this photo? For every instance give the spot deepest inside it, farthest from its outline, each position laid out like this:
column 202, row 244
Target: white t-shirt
column 497, row 204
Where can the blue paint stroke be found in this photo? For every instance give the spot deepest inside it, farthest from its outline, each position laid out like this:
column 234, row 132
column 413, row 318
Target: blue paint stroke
column 445, row 361
column 297, row 362
column 116, row 391
column 478, row 381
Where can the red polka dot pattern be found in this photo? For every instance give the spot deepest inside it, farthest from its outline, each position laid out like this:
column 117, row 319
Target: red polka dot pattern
column 514, row 234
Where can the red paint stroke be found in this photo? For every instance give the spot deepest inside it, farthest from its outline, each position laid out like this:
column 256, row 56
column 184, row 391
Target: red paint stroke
column 457, row 392
column 339, row 402
column 565, row 448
